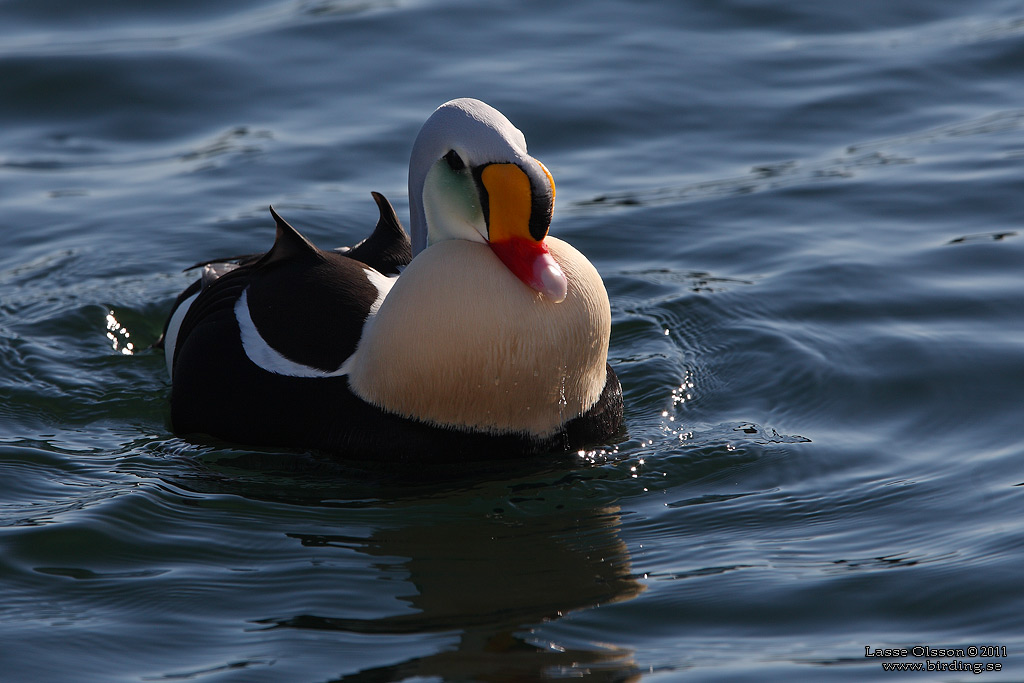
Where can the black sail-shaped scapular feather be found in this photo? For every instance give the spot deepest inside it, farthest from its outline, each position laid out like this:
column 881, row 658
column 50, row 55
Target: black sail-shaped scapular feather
column 288, row 243
column 388, row 249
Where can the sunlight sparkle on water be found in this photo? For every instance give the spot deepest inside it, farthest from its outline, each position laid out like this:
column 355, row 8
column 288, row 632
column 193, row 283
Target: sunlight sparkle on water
column 680, row 395
column 118, row 335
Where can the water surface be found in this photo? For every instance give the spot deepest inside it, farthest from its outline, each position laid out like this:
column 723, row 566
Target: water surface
column 808, row 220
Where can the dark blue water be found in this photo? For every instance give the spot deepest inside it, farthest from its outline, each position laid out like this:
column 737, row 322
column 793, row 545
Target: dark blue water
column 809, row 219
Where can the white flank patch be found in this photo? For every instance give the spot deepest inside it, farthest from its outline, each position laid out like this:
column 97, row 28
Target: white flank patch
column 173, row 327
column 263, row 355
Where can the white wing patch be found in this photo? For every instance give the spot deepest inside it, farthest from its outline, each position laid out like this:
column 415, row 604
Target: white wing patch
column 383, row 283
column 264, row 355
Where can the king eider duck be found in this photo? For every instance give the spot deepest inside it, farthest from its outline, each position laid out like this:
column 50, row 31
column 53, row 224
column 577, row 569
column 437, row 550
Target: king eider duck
column 482, row 338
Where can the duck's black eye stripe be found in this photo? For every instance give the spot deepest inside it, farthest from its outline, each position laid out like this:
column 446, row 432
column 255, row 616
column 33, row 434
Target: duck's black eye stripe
column 540, row 214
column 454, row 161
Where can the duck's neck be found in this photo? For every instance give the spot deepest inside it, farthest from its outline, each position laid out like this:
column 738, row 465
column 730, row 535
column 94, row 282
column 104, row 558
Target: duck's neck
column 417, row 217
column 461, row 342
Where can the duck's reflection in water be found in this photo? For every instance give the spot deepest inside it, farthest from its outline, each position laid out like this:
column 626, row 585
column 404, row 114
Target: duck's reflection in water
column 490, row 580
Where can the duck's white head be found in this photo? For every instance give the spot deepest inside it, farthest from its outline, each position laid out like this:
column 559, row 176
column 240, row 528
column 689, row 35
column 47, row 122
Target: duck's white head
column 471, row 178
